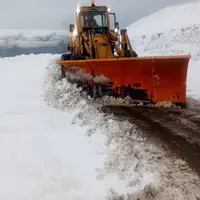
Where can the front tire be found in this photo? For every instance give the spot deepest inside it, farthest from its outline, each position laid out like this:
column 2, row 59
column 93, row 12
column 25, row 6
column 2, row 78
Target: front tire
column 65, row 56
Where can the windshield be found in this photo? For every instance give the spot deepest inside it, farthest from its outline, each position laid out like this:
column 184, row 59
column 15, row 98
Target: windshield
column 93, row 19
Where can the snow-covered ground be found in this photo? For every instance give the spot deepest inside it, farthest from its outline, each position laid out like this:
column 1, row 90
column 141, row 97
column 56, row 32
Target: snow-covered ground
column 172, row 31
column 42, row 155
column 65, row 148
column 31, row 38
column 128, row 152
column 148, row 171
column 75, row 152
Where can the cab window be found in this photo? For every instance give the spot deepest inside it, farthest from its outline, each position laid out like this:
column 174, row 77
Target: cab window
column 93, row 19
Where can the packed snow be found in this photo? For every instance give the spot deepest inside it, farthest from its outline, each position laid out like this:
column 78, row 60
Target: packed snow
column 43, row 155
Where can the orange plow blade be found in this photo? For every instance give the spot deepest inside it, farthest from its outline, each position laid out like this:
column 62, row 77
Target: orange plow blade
column 153, row 79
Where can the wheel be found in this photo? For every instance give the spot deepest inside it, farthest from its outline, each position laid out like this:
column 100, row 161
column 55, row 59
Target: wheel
column 77, row 56
column 94, row 91
column 63, row 72
column 100, row 91
column 182, row 105
column 127, row 54
column 65, row 56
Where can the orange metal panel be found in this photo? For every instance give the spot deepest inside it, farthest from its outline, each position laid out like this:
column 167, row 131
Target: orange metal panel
column 164, row 77
column 169, row 80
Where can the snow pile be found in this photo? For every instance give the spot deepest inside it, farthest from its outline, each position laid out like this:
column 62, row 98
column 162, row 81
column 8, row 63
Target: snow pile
column 171, row 31
column 143, row 166
column 31, row 38
column 77, row 74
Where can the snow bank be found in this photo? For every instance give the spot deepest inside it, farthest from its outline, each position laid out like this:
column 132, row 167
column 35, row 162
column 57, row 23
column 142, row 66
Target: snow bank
column 31, row 38
column 145, row 169
column 172, row 31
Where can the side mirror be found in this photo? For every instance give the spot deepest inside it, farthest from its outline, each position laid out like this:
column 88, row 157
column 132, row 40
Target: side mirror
column 117, row 25
column 71, row 28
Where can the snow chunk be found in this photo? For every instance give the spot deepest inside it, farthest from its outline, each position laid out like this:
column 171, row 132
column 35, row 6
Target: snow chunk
column 101, row 79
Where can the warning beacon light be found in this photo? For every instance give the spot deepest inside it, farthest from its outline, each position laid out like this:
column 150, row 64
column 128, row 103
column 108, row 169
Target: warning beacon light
column 93, row 4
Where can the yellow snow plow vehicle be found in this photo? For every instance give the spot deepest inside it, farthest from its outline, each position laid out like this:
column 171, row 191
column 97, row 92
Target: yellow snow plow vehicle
column 104, row 53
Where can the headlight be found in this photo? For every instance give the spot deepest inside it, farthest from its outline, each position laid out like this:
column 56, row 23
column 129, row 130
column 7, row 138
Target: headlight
column 74, row 32
column 116, row 30
column 78, row 10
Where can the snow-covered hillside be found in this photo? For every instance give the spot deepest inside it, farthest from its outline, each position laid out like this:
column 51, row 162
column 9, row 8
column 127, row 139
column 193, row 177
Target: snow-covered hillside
column 31, row 38
column 171, row 31
column 168, row 18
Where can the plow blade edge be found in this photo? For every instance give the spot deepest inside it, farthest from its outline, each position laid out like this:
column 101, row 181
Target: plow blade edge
column 155, row 79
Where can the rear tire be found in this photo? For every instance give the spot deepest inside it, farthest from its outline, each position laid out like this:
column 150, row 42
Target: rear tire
column 183, row 105
column 66, row 56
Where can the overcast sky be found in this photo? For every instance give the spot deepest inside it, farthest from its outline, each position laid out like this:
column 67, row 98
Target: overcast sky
column 51, row 14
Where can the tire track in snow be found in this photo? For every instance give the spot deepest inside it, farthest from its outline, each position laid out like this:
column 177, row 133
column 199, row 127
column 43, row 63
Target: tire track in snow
column 176, row 129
